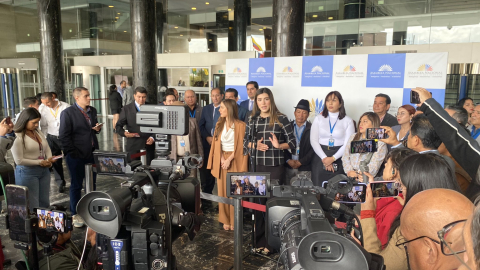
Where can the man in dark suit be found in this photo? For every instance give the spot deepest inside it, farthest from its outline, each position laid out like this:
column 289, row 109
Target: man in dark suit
column 422, row 138
column 252, row 88
column 299, row 159
column 191, row 101
column 243, row 113
column 77, row 134
column 207, row 126
column 381, row 106
column 136, row 140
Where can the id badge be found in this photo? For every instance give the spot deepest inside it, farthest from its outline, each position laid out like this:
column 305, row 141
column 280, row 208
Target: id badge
column 331, row 142
column 298, row 151
column 182, row 143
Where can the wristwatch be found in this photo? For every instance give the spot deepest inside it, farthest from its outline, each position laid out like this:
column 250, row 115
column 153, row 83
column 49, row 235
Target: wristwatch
column 334, row 158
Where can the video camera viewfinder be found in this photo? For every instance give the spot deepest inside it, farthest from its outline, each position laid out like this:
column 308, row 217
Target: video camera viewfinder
column 248, row 184
column 172, row 120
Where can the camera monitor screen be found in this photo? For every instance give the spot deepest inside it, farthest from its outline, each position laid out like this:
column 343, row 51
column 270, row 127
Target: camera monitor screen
column 112, row 163
column 52, row 221
column 366, row 146
column 355, row 195
column 248, row 184
column 384, row 189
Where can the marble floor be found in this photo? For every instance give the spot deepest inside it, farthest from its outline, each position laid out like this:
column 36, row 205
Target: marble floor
column 212, row 248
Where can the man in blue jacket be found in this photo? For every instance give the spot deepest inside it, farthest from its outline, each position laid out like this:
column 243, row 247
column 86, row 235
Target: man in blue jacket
column 78, row 129
column 252, row 88
column 243, row 114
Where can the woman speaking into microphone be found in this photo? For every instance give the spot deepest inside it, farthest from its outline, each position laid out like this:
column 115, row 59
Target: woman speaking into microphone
column 274, row 134
column 226, row 155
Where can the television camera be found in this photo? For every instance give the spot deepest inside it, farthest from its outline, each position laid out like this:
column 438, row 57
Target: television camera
column 301, row 225
column 137, row 222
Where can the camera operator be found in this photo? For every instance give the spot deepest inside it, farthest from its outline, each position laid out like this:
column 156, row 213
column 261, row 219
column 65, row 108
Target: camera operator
column 431, row 227
column 463, row 148
column 351, row 162
column 417, row 173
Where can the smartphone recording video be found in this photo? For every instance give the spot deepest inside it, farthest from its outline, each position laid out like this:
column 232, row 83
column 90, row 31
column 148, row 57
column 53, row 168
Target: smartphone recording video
column 8, row 120
column 52, row 221
column 366, row 146
column 17, row 208
column 414, row 97
column 376, row 133
column 356, row 194
column 385, row 189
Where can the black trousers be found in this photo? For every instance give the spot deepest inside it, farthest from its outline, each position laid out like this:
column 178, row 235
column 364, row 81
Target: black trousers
column 319, row 174
column 56, row 148
column 276, row 172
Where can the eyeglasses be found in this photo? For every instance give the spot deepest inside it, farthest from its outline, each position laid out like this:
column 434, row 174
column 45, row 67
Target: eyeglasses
column 451, row 240
column 401, row 114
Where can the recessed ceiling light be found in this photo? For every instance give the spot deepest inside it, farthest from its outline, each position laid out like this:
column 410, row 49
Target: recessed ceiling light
column 124, row 31
column 111, row 6
column 210, row 40
column 260, row 29
column 194, row 8
column 181, row 35
column 229, row 9
column 116, row 17
column 330, row 18
column 207, row 3
column 176, row 27
column 315, row 16
column 118, row 13
column 264, row 27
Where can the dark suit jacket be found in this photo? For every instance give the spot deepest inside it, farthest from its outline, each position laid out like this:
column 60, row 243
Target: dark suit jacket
column 244, row 103
column 76, row 133
column 306, row 150
column 128, row 117
column 389, row 120
column 206, row 126
column 194, row 138
column 115, row 101
column 243, row 113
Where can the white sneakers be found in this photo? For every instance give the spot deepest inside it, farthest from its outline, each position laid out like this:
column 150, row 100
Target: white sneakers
column 78, row 221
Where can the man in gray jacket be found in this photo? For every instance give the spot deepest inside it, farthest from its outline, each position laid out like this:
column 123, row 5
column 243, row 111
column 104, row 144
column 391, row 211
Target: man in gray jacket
column 127, row 95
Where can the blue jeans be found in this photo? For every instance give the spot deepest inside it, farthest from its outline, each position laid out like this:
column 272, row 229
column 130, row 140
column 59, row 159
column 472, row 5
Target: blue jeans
column 37, row 180
column 76, row 167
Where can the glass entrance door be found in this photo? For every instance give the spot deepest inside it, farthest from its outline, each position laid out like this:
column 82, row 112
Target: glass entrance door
column 9, row 90
column 219, row 81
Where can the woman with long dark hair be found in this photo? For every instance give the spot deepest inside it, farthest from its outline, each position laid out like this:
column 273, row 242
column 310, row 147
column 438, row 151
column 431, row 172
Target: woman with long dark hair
column 417, row 173
column 226, row 155
column 351, row 162
column 33, row 158
column 329, row 136
column 274, row 134
column 115, row 103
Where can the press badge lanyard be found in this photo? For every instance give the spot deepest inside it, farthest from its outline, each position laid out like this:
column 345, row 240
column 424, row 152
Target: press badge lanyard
column 56, row 114
column 331, row 141
column 299, row 138
column 475, row 133
column 194, row 112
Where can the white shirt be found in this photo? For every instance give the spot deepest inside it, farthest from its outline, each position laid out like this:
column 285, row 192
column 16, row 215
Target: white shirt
column 50, row 121
column 250, row 104
column 228, row 139
column 320, row 133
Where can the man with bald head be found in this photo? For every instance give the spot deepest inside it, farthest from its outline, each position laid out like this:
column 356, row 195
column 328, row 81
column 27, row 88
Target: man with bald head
column 423, row 216
column 191, row 101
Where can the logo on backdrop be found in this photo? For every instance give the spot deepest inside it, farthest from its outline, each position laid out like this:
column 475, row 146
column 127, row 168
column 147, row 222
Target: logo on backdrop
column 349, row 68
column 237, row 70
column 317, row 71
column 349, row 71
column 316, row 107
column 425, row 71
column 287, row 72
column 261, row 71
column 386, row 70
column 237, row 73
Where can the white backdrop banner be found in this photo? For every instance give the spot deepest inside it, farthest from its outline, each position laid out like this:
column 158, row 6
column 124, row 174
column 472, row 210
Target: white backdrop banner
column 357, row 77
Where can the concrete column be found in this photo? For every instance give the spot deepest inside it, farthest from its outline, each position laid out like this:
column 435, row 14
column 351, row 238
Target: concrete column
column 288, row 24
column 240, row 22
column 51, row 47
column 144, row 50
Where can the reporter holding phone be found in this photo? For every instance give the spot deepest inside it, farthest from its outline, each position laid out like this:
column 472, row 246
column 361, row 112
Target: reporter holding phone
column 417, row 172
column 226, row 155
column 351, row 162
column 328, row 136
column 33, row 158
column 274, row 134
